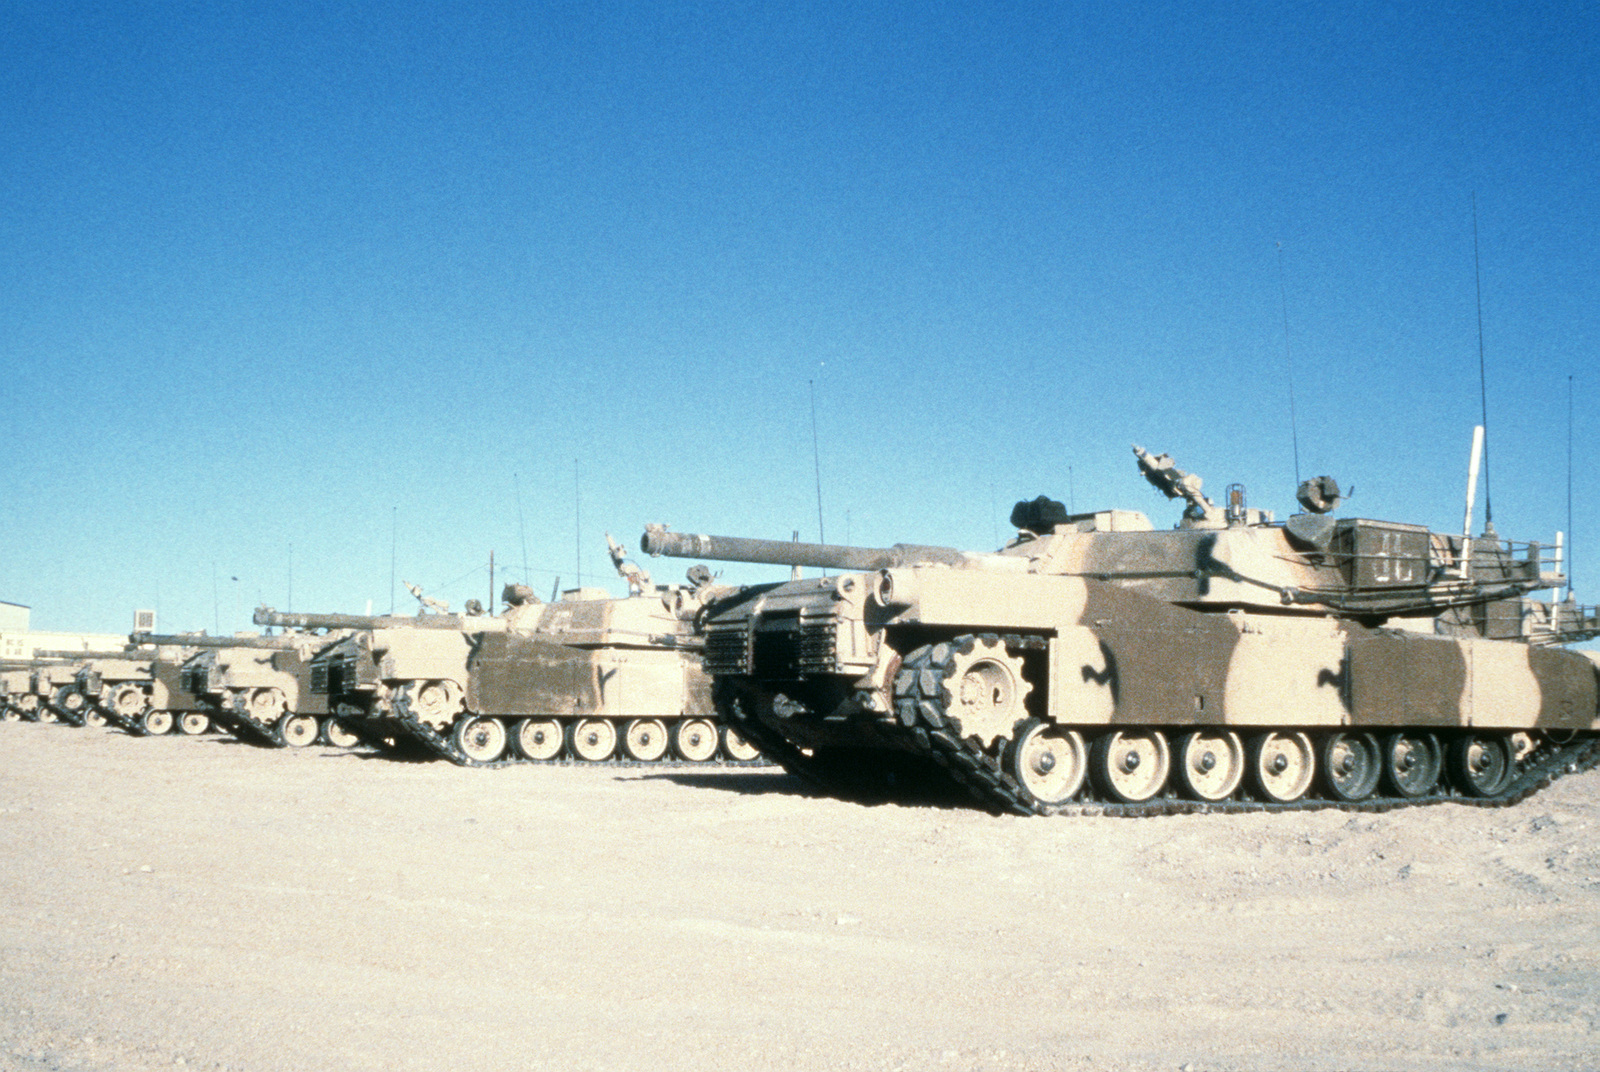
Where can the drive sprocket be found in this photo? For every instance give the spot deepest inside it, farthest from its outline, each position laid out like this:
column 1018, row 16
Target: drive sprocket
column 980, row 686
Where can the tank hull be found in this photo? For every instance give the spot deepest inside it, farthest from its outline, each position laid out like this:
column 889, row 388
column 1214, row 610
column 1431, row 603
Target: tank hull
column 968, row 669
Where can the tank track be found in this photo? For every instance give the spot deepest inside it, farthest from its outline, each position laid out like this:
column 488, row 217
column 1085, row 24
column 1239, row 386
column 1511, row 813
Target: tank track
column 401, row 721
column 244, row 729
column 918, row 728
column 65, row 717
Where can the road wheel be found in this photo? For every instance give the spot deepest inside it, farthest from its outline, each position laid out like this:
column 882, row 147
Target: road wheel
column 155, row 723
column 94, row 718
column 1482, row 764
column 1351, row 765
column 193, row 723
column 594, row 739
column 1130, row 767
column 1411, row 763
column 1210, row 764
column 695, row 740
column 1282, row 766
column 482, row 740
column 539, row 738
column 737, row 748
column 338, row 734
column 298, row 731
column 1050, row 763
column 645, row 739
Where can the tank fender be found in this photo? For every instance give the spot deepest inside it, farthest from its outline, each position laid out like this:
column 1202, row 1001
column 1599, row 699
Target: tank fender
column 936, row 595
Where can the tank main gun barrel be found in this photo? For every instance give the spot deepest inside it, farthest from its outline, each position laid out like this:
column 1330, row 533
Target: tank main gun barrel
column 78, row 656
column 178, row 640
column 268, row 616
column 658, row 541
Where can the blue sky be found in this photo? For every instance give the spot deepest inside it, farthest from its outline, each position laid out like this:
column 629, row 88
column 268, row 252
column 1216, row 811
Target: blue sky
column 335, row 277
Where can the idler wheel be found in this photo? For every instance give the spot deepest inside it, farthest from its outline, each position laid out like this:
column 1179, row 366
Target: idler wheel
column 737, row 748
column 1281, row 766
column 645, row 739
column 482, row 740
column 539, row 738
column 1411, row 763
column 1048, row 762
column 298, row 731
column 339, row 734
column 695, row 739
column 1482, row 764
column 1351, row 765
column 155, row 723
column 594, row 739
column 1210, row 764
column 193, row 723
column 1130, row 767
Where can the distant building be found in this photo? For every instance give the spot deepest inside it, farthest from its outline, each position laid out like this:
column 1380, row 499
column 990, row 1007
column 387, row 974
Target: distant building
column 17, row 641
column 13, row 617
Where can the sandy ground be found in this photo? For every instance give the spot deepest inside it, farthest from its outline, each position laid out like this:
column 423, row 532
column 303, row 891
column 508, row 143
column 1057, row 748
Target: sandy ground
column 207, row 904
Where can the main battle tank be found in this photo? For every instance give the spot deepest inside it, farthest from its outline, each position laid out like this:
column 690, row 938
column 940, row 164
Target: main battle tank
column 19, row 700
column 1096, row 663
column 139, row 691
column 588, row 677
column 55, row 688
column 259, row 687
column 14, row 684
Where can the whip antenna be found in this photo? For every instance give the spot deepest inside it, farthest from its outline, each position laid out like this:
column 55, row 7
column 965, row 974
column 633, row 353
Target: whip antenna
column 1483, row 388
column 1571, row 543
column 522, row 522
column 1288, row 358
column 816, row 458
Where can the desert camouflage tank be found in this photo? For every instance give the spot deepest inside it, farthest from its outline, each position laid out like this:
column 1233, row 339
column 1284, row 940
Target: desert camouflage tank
column 14, row 684
column 259, row 687
column 18, row 700
column 1097, row 663
column 140, row 691
column 589, row 677
column 55, row 691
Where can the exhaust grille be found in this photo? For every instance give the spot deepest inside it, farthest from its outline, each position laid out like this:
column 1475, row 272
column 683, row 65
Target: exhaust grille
column 727, row 653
